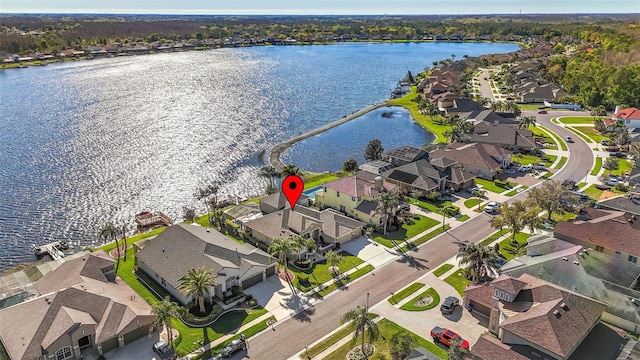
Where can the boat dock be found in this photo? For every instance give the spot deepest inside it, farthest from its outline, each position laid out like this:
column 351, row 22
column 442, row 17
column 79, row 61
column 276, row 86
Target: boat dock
column 54, row 249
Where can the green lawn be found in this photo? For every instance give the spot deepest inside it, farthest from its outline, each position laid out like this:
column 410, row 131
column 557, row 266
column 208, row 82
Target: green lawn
column 624, row 167
column 433, row 207
column 525, row 159
column 412, row 305
column 493, row 237
column 112, row 245
column 313, row 180
column 430, row 123
column 463, row 218
column 336, row 284
column 396, row 298
column 442, row 269
column 592, row 133
column 563, row 146
column 472, row 203
column 490, row 186
column 567, row 216
column 531, row 106
column 581, row 185
column 507, row 249
column 537, row 132
column 319, row 273
column 425, row 238
column 597, row 166
column 593, row 193
column 387, row 330
column 406, row 232
column 458, row 281
column 561, row 162
column 218, row 348
column 576, row 120
column 333, row 338
column 578, row 131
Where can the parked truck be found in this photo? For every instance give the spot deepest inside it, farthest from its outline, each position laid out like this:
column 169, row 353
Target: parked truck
column 446, row 336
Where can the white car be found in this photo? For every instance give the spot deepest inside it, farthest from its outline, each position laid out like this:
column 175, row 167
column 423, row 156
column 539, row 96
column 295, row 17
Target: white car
column 568, row 139
column 612, row 182
column 491, row 207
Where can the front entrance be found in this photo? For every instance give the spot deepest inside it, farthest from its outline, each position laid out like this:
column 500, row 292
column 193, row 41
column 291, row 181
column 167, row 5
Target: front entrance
column 84, row 342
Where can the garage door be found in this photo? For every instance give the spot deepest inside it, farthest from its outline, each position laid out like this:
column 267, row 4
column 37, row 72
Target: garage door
column 136, row 334
column 477, row 307
column 271, row 271
column 252, row 281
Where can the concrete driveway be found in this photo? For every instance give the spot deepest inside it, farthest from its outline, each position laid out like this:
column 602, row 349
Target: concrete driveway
column 369, row 251
column 140, row 349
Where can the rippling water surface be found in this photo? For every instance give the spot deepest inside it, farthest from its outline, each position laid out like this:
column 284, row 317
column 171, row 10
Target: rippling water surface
column 86, row 142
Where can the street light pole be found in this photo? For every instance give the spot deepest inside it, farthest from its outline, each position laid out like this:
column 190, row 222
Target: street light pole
column 367, row 301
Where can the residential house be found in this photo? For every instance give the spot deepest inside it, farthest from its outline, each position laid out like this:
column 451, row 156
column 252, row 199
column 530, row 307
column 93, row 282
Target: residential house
column 506, row 136
column 479, row 159
column 277, row 201
column 444, row 100
column 615, row 233
column 531, row 318
column 404, row 155
column 465, row 108
column 486, row 118
column 418, row 176
column 634, row 175
column 182, row 247
column 609, row 279
column 629, row 116
column 83, row 310
column 627, row 204
column 541, row 93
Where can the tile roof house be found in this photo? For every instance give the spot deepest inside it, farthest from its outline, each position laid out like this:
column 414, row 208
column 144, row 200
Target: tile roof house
column 418, row 176
column 479, row 159
column 183, row 247
column 627, row 204
column 506, row 136
column 609, row 279
column 527, row 311
column 616, row 234
column 83, row 309
column 548, row 92
column 465, row 108
column 404, row 155
column 629, row 116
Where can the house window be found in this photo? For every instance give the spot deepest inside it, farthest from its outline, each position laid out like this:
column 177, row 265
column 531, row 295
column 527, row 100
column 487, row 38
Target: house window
column 633, row 259
column 353, row 198
column 337, row 193
column 599, row 248
column 164, row 283
column 64, row 353
column 342, row 209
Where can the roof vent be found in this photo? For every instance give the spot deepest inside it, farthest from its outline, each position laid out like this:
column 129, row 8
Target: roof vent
column 557, row 313
column 564, row 306
column 575, row 262
column 565, row 258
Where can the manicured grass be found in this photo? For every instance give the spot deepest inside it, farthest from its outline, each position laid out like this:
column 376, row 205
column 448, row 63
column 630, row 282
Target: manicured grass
column 490, row 186
column 458, row 281
column 597, row 166
column 578, row 131
column 307, row 279
column 547, row 175
column 561, row 162
column 433, row 207
column 624, row 167
column 463, row 218
column 249, row 332
column 567, row 216
column 592, row 192
column 507, row 249
column 333, row 338
column 511, row 193
column 592, row 133
column 396, row 298
column 442, row 269
column 531, row 106
column 425, row 238
column 580, row 185
column 406, row 232
column 412, row 306
column 130, row 240
column 336, row 284
column 563, row 146
column 387, row 330
column 313, row 180
column 493, row 237
column 576, row 120
column 537, row 132
column 430, row 123
column 472, row 203
column 525, row 159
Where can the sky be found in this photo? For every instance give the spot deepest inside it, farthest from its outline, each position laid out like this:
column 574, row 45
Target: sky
column 319, row 7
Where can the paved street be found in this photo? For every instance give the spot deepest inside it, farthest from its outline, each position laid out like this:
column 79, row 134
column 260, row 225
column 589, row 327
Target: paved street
column 484, row 87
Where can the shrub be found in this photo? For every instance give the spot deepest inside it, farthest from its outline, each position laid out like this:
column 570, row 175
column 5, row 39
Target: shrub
column 303, row 264
column 232, row 298
column 236, row 290
column 621, row 187
column 451, row 210
column 501, row 183
column 196, row 320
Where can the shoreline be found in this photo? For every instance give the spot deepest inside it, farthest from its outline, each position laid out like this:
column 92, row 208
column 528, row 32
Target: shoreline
column 278, row 150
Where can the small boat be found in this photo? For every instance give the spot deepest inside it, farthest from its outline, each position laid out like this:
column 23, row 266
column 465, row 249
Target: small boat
column 38, row 250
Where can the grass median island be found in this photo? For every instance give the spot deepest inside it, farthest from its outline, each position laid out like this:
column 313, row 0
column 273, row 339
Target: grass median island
column 426, row 300
column 396, row 298
column 537, row 132
column 578, row 131
column 458, row 281
column 431, row 123
column 387, row 330
column 563, row 146
column 592, row 133
column 561, row 162
column 442, row 269
column 308, row 279
column 508, row 249
column 597, row 166
column 344, row 281
column 406, row 231
column 584, row 120
column 333, row 338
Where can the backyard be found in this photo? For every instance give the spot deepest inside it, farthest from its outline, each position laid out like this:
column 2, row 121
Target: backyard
column 406, row 231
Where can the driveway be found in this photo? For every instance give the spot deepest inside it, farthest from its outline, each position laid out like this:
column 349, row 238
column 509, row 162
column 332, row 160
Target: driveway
column 140, row 349
column 369, row 251
column 276, row 297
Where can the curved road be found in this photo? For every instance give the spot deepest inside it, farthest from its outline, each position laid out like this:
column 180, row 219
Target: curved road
column 293, row 335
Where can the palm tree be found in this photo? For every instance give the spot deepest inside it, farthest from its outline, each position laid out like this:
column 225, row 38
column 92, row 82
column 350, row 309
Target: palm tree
column 527, row 121
column 482, row 260
column 290, row 169
column 197, row 283
column 165, row 311
column 109, row 232
column 634, row 151
column 206, row 193
column 281, row 249
column 268, row 172
column 334, row 259
column 359, row 318
column 480, row 194
column 309, row 245
column 387, row 205
column 453, row 134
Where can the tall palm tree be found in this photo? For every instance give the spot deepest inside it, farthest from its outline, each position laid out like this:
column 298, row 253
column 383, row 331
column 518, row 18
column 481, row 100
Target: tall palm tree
column 309, row 245
column 333, row 258
column 387, row 206
column 362, row 322
column 481, row 259
column 110, row 232
column 282, row 249
column 165, row 311
column 453, row 134
column 197, row 283
column 268, row 172
column 291, row 169
column 206, row 194
column 527, row 121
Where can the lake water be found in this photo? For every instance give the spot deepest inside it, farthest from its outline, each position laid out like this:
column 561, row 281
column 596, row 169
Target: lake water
column 86, row 142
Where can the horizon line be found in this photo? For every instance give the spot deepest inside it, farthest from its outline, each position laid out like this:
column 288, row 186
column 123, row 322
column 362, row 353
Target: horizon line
column 311, row 14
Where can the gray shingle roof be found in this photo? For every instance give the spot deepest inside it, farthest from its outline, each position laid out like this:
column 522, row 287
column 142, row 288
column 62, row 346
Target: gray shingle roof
column 419, row 174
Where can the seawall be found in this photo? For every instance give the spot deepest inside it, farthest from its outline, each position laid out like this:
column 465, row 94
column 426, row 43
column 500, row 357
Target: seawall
column 278, row 150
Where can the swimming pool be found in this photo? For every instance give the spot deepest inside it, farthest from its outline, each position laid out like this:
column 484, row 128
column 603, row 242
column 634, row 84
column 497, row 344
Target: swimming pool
column 311, row 193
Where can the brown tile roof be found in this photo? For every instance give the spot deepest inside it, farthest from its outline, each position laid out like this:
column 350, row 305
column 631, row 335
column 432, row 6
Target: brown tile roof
column 613, row 231
column 509, row 284
column 478, row 155
column 360, row 184
column 489, row 348
column 481, row 293
column 74, row 271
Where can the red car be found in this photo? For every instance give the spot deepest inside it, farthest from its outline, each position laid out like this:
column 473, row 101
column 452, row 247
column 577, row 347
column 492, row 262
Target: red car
column 445, row 336
column 542, row 112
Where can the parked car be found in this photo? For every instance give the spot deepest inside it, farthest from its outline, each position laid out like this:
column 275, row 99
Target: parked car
column 618, row 155
column 612, row 181
column 604, row 142
column 568, row 139
column 445, row 336
column 232, row 347
column 491, row 207
column 525, row 168
column 542, row 112
column 164, row 351
column 539, row 166
column 449, row 305
column 403, row 206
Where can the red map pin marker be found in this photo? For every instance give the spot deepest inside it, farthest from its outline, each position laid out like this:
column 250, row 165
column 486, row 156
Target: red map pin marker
column 292, row 187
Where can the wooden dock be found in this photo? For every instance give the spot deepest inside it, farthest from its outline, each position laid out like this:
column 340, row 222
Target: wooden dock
column 54, row 249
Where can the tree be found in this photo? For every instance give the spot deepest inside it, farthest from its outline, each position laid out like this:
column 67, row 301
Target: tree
column 291, row 169
column 188, row 214
column 482, row 260
column 634, row 151
column 165, row 311
column 309, row 245
column 527, row 121
column 610, row 164
column 455, row 351
column 401, row 345
column 387, row 205
column 206, row 194
column 480, row 194
column 109, row 232
column 197, row 283
column 374, row 150
column 334, row 259
column 350, row 165
column 551, row 197
column 282, row 249
column 361, row 321
column 453, row 134
column 511, row 216
column 268, row 172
